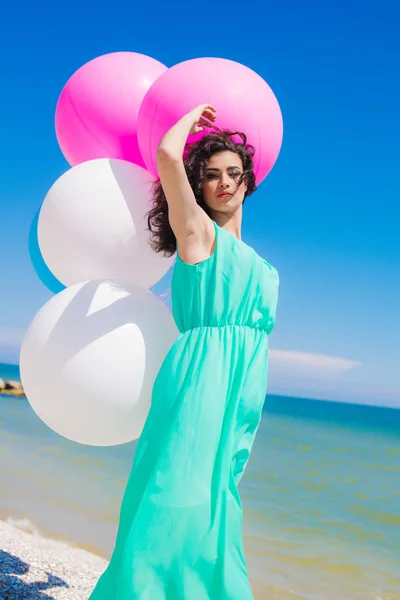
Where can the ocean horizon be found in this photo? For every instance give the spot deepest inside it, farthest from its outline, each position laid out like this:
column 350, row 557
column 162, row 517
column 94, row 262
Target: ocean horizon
column 320, row 496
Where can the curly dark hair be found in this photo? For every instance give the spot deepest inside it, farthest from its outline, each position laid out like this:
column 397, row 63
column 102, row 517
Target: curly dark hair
column 196, row 157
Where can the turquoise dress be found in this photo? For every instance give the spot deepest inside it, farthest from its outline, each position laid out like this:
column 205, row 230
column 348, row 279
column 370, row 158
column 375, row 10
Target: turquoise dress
column 180, row 530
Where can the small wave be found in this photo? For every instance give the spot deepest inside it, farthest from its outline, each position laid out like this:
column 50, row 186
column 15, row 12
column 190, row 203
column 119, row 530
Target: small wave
column 28, row 526
column 24, row 525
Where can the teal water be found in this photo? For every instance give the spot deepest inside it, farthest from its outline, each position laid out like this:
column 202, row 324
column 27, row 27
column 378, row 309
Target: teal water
column 9, row 372
column 321, row 494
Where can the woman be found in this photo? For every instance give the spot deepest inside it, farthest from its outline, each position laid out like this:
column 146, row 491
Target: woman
column 180, row 529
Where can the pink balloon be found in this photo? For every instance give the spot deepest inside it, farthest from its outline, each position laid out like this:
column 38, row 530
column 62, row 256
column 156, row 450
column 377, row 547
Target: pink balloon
column 97, row 111
column 243, row 100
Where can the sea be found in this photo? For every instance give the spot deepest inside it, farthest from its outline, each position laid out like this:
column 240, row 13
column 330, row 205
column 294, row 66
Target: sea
column 320, row 495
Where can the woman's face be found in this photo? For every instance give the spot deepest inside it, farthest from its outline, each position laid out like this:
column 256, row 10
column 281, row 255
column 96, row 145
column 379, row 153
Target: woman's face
column 221, row 191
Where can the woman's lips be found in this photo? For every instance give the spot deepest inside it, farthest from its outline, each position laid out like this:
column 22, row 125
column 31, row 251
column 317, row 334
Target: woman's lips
column 224, row 195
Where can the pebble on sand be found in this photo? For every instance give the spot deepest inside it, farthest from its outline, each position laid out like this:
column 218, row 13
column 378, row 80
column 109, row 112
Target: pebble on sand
column 32, row 567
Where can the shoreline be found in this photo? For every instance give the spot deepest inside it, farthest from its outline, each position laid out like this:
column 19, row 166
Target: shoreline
column 34, row 528
column 13, row 393
column 31, row 564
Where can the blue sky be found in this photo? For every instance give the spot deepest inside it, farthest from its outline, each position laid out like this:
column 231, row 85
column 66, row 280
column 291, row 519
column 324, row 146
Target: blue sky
column 327, row 216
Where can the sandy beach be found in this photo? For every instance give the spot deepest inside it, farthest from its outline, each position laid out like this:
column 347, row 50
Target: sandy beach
column 38, row 568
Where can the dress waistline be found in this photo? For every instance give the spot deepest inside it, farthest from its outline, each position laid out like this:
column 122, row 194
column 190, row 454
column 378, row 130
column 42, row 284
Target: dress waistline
column 225, row 325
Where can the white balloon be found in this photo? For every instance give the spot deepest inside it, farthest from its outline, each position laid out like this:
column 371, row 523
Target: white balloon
column 92, row 225
column 90, row 357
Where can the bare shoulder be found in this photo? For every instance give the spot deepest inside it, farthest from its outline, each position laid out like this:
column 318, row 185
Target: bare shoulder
column 196, row 239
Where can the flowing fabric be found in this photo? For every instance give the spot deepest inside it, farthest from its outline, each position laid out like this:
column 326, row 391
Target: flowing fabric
column 180, row 530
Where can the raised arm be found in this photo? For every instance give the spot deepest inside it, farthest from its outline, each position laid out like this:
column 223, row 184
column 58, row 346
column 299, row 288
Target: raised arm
column 191, row 225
